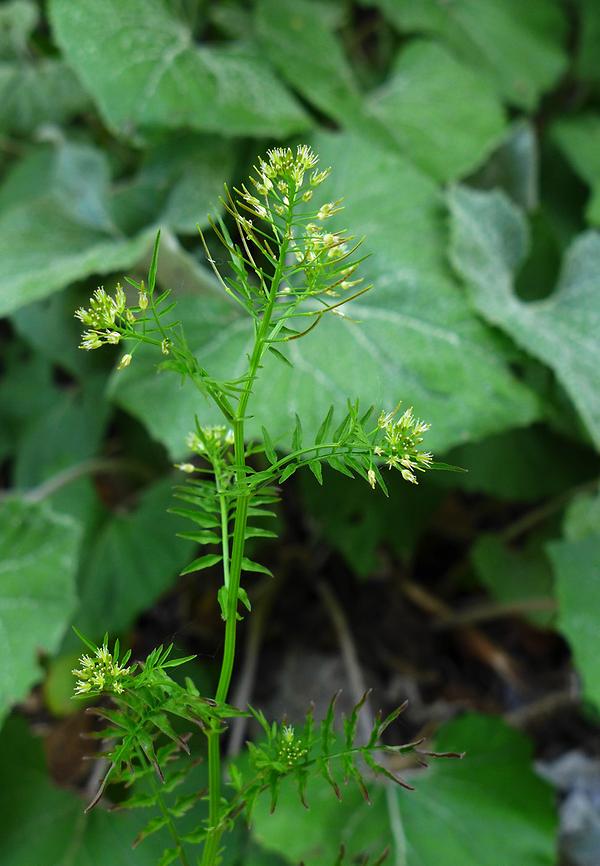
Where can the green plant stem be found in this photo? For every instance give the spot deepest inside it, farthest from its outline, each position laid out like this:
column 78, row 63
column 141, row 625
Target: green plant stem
column 215, row 831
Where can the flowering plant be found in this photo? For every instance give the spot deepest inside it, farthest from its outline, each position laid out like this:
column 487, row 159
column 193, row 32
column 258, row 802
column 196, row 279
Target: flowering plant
column 287, row 269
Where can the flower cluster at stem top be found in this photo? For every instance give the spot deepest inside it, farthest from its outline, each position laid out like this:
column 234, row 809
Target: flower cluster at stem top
column 399, row 445
column 100, row 673
column 285, row 179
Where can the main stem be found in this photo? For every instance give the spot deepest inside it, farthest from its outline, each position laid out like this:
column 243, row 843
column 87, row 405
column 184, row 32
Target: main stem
column 211, row 846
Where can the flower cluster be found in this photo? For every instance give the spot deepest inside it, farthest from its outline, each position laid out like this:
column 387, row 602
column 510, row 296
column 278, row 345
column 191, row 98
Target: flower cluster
column 281, row 176
column 291, row 750
column 320, row 256
column 400, row 444
column 209, row 439
column 106, row 318
column 208, row 442
column 100, row 673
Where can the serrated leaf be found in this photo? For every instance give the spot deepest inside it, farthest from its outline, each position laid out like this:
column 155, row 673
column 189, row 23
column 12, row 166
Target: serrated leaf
column 38, row 555
column 152, row 826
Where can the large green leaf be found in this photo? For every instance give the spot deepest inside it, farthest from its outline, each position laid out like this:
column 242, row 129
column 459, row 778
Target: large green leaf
column 489, row 243
column 514, row 166
column 588, row 65
column 44, row 824
column 517, row 46
column 462, row 813
column 56, row 226
column 576, row 560
column 26, row 390
column 17, row 20
column 358, row 525
column 140, row 63
column 180, row 180
column 38, row 559
column 514, row 575
column 134, row 559
column 579, row 139
column 439, row 111
column 32, row 94
column 61, row 440
column 535, row 463
column 415, row 337
column 299, row 42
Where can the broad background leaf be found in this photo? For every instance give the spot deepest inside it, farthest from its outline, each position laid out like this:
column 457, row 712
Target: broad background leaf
column 439, row 112
column 166, row 79
column 489, row 244
column 518, row 47
column 46, row 824
column 38, row 560
column 576, row 560
column 134, row 558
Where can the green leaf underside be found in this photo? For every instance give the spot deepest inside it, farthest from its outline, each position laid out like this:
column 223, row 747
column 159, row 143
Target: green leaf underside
column 38, row 558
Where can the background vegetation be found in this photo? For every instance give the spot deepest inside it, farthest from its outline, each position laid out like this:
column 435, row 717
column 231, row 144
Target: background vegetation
column 465, row 136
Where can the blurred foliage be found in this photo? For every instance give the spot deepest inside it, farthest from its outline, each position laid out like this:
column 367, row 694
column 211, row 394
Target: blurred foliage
column 464, row 137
